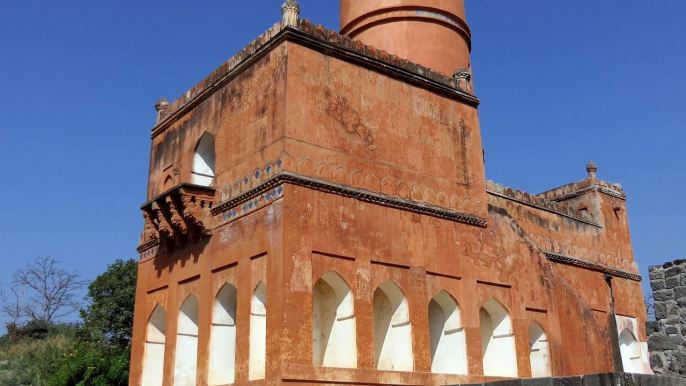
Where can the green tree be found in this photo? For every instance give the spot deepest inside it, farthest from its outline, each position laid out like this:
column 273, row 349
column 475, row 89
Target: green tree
column 108, row 318
column 100, row 355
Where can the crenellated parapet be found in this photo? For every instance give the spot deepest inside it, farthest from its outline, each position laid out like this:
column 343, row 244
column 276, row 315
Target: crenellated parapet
column 539, row 202
column 175, row 218
column 588, row 185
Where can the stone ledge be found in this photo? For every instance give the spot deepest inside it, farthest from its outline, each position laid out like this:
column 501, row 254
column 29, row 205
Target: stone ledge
column 351, row 192
column 571, row 260
column 606, row 379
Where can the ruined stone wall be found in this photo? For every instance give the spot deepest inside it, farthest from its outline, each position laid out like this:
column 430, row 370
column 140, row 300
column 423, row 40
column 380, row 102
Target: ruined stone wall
column 667, row 334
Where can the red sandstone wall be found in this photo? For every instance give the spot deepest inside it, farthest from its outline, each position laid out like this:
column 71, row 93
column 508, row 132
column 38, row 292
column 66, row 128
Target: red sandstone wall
column 330, row 119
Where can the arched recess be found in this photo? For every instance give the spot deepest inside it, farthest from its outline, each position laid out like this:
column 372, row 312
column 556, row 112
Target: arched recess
column 497, row 340
column 223, row 337
column 333, row 323
column 630, row 352
column 203, row 161
column 258, row 333
column 448, row 344
column 186, row 356
column 392, row 329
column 539, row 353
column 155, row 338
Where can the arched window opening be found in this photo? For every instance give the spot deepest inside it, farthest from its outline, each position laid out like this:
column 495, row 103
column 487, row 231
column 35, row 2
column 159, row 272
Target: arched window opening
column 258, row 333
column 203, row 161
column 539, row 352
column 630, row 352
column 448, row 344
column 153, row 357
column 333, row 323
column 185, row 365
column 497, row 341
column 392, row 329
column 223, row 337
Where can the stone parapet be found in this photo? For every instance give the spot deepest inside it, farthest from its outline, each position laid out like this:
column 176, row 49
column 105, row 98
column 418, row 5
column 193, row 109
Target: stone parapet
column 307, row 33
column 539, row 202
column 667, row 333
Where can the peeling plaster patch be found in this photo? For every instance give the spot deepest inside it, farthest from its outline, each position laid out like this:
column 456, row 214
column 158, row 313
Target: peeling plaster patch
column 227, row 234
column 301, row 277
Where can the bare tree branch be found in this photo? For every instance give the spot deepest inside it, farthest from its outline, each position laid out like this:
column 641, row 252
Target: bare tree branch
column 12, row 298
column 51, row 289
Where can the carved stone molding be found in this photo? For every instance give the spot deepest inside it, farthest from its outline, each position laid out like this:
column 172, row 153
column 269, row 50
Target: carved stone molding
column 176, row 217
column 560, row 258
column 351, row 192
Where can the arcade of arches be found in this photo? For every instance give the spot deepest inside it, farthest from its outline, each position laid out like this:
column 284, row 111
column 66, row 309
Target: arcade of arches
column 334, row 328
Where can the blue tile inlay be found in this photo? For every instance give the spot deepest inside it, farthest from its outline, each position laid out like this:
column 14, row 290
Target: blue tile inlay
column 250, row 205
column 279, row 163
column 267, row 196
column 257, row 174
column 269, row 169
column 280, row 190
column 246, row 180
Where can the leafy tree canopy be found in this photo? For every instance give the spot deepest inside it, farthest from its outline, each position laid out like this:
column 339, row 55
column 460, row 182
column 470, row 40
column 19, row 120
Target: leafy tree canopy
column 109, row 316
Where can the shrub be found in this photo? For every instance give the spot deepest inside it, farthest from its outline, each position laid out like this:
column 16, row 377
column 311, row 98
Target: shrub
column 91, row 364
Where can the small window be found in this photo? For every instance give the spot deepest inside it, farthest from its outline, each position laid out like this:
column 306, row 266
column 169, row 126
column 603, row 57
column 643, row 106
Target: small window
column 203, row 161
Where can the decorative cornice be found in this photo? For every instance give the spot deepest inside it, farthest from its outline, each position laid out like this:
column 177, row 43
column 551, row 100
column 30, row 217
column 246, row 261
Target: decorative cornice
column 565, row 259
column 350, row 192
column 322, row 40
column 147, row 245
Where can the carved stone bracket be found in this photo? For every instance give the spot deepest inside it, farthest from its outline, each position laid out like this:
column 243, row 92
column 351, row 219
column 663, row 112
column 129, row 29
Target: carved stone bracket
column 176, row 217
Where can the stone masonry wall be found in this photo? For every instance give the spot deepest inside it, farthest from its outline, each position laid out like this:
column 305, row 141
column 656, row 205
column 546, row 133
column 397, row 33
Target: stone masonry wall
column 667, row 334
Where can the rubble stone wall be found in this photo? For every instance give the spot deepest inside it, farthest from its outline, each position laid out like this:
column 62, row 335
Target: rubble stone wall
column 667, row 334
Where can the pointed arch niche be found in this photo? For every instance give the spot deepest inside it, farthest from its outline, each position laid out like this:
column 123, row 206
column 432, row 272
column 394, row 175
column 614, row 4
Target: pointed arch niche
column 258, row 333
column 333, row 323
column 392, row 329
column 155, row 338
column 539, row 354
column 203, row 161
column 630, row 352
column 186, row 356
column 497, row 340
column 448, row 344
column 223, row 337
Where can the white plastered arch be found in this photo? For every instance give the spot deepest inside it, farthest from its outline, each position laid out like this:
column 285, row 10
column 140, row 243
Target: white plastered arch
column 186, row 354
column 223, row 337
column 392, row 329
column 155, row 339
column 448, row 340
column 497, row 340
column 334, row 341
column 204, row 161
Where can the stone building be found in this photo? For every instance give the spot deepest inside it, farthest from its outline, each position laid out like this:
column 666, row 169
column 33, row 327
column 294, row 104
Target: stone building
column 667, row 333
column 318, row 212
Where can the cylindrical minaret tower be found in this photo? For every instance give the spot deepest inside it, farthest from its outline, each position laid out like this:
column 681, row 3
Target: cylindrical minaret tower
column 432, row 33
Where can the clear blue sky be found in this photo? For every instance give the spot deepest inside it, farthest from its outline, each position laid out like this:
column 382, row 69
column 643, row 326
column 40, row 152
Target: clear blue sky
column 561, row 83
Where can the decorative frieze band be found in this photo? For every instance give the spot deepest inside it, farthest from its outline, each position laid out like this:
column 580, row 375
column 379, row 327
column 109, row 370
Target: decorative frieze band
column 560, row 258
column 350, row 192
